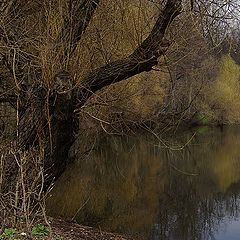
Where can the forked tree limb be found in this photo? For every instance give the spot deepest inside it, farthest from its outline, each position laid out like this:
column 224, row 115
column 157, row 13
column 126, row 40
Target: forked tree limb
column 49, row 119
column 142, row 59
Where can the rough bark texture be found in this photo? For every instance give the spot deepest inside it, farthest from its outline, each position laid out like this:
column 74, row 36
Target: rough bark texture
column 48, row 118
column 142, row 59
column 48, row 123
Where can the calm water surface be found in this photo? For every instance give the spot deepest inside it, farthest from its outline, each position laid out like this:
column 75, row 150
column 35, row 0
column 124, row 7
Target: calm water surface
column 136, row 186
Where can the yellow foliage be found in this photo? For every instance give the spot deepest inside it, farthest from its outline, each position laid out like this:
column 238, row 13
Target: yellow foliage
column 225, row 91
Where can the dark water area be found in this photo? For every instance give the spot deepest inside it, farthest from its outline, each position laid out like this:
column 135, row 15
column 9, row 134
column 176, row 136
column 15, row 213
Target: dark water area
column 140, row 187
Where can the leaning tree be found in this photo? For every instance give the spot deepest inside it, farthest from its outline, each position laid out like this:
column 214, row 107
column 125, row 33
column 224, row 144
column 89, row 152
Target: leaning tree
column 46, row 112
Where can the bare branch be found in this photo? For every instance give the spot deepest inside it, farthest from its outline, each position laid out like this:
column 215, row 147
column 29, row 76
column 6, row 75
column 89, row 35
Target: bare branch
column 81, row 13
column 142, row 59
column 5, row 7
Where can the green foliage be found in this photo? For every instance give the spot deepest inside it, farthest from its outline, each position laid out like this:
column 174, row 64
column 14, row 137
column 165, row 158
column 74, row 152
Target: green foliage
column 202, row 119
column 8, row 233
column 202, row 129
column 40, row 230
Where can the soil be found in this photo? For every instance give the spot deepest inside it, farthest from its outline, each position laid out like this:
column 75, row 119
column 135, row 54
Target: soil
column 72, row 231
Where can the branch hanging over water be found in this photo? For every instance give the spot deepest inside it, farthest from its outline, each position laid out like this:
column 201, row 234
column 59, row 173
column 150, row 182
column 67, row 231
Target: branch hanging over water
column 142, row 59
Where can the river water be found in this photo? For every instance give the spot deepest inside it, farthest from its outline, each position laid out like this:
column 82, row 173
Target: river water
column 184, row 187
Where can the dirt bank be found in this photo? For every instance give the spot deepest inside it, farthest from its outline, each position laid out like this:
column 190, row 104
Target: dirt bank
column 73, row 231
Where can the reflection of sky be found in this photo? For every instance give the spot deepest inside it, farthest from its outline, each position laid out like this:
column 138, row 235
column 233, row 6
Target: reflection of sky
column 232, row 232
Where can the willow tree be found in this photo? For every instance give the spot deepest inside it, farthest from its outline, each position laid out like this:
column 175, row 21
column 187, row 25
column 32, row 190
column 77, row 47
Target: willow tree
column 46, row 110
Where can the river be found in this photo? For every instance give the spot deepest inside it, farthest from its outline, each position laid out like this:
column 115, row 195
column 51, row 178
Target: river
column 180, row 187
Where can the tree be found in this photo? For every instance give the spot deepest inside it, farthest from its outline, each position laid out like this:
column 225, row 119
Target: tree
column 46, row 110
column 219, row 19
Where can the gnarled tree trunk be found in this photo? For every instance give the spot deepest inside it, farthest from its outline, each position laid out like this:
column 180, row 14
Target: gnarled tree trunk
column 47, row 115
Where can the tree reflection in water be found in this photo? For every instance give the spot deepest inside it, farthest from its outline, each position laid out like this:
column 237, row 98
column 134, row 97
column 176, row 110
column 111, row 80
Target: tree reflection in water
column 132, row 186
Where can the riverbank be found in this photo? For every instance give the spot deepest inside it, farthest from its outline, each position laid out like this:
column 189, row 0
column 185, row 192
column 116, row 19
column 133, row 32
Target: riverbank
column 58, row 229
column 73, row 231
column 22, row 216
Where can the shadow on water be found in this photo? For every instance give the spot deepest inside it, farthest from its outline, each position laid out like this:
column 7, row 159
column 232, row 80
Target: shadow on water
column 133, row 186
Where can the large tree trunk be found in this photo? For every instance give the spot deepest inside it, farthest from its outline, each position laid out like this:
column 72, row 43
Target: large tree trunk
column 47, row 119
column 49, row 124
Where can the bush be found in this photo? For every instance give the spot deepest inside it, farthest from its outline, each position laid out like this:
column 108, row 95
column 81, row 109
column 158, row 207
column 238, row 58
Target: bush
column 222, row 96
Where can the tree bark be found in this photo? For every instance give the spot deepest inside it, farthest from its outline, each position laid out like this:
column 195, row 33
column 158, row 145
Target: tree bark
column 49, row 120
column 142, row 59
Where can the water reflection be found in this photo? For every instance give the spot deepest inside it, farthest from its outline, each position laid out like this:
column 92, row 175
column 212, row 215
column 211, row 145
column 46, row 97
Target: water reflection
column 133, row 186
